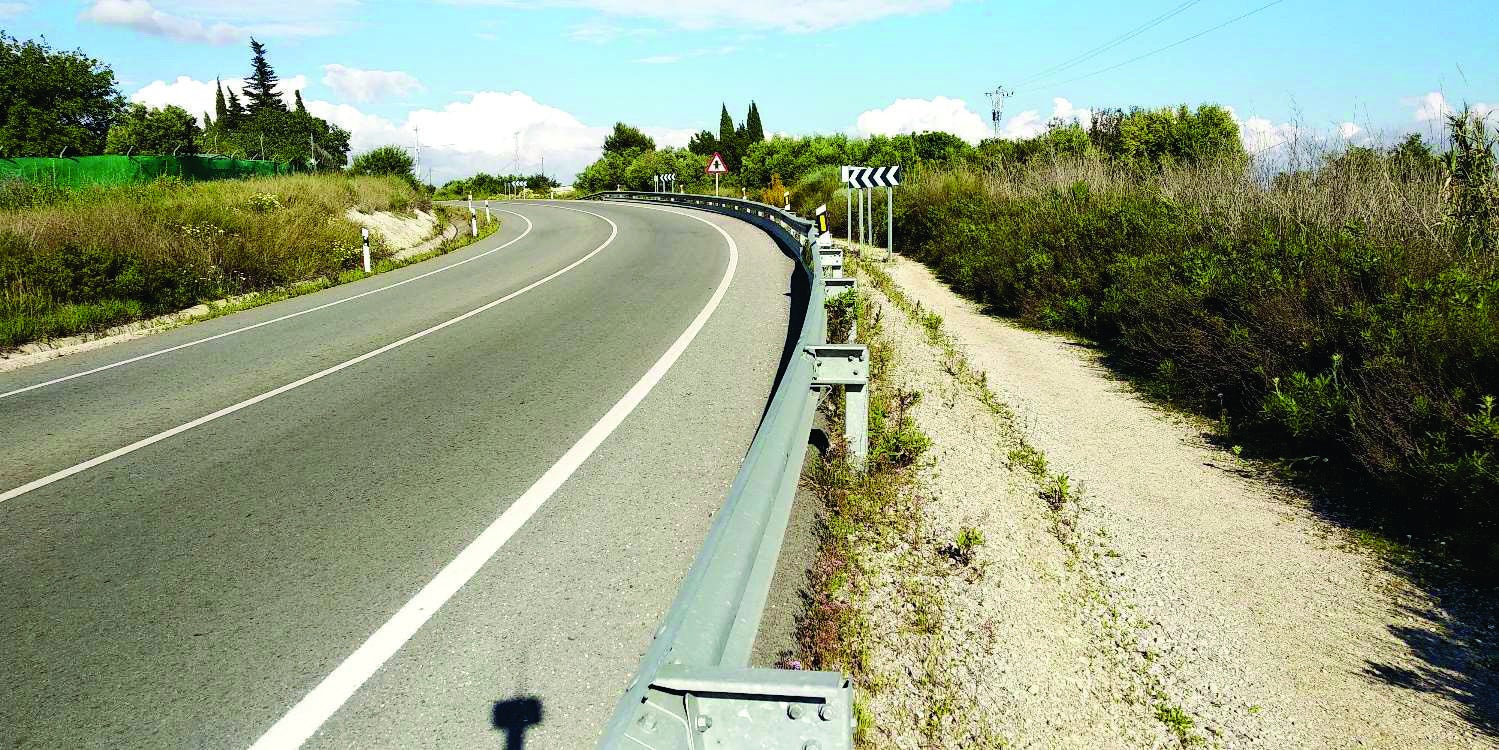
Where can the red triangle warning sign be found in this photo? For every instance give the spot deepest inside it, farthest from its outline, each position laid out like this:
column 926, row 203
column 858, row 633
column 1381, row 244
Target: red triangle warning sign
column 716, row 165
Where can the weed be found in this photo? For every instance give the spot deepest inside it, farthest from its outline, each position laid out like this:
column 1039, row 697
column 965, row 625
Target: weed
column 964, row 547
column 1179, row 722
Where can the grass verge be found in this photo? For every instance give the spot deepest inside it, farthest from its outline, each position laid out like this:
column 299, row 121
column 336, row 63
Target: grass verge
column 75, row 262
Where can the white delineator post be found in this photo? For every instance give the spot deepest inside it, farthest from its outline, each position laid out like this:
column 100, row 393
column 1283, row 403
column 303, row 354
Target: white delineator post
column 364, row 233
column 473, row 216
column 488, row 217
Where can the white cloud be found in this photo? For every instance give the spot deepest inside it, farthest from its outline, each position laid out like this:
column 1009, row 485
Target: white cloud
column 480, row 134
column 197, row 96
column 141, row 16
column 659, row 60
column 1348, row 130
column 917, row 115
column 218, row 22
column 1433, row 106
column 599, row 32
column 369, row 85
column 1061, row 109
column 783, row 15
column 1027, row 124
column 11, row 10
column 1429, row 106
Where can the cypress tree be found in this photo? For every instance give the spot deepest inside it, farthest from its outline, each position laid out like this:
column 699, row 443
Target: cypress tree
column 727, row 144
column 752, row 125
column 260, row 87
column 301, row 108
column 236, row 112
column 220, row 109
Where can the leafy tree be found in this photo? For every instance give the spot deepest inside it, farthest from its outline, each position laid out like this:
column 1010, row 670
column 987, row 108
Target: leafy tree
column 385, row 160
column 260, row 86
column 626, row 138
column 702, row 143
column 51, row 101
column 300, row 108
column 1154, row 138
column 170, row 130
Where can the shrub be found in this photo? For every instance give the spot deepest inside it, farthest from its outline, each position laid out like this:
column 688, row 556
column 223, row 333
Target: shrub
column 1348, row 310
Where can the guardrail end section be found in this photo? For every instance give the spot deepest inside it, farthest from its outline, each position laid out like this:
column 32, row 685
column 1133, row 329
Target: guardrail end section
column 689, row 708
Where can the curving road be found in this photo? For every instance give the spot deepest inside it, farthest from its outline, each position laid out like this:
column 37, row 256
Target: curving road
column 440, row 507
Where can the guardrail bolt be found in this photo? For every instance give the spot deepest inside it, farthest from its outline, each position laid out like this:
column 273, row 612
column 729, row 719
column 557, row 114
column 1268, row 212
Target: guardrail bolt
column 795, row 711
column 647, row 722
column 704, row 723
column 826, row 712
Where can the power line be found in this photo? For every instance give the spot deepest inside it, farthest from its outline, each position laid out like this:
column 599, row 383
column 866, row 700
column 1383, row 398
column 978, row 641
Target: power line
column 1115, row 42
column 1159, row 50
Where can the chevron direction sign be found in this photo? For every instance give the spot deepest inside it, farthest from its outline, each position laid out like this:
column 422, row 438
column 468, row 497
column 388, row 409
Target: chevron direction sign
column 872, row 177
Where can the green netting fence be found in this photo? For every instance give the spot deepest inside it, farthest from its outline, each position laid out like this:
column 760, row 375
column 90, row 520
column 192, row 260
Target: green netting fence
column 114, row 170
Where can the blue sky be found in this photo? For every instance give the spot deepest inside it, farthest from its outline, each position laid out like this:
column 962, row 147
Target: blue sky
column 472, row 79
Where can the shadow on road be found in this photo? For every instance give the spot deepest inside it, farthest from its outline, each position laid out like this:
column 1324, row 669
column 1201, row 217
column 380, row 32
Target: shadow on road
column 514, row 717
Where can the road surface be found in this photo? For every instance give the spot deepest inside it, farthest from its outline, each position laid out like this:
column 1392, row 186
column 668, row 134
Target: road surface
column 421, row 515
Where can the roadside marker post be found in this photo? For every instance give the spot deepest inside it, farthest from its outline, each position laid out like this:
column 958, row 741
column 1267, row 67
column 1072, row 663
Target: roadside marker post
column 473, row 217
column 488, row 217
column 364, row 233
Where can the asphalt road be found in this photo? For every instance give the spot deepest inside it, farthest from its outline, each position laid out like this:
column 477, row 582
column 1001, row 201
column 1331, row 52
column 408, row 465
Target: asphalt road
column 206, row 583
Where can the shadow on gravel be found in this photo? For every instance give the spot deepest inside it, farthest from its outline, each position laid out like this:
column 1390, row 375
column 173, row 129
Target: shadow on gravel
column 513, row 717
column 1454, row 650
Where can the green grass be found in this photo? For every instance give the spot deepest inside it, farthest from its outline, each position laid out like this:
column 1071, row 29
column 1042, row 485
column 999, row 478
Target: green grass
column 74, row 262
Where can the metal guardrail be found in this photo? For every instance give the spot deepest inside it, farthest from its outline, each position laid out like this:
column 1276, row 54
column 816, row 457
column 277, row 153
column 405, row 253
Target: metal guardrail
column 694, row 688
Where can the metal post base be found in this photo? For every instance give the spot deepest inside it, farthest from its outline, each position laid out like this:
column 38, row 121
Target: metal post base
column 847, row 365
column 695, row 708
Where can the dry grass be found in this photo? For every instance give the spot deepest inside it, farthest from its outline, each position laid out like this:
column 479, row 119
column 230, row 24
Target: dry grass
column 83, row 261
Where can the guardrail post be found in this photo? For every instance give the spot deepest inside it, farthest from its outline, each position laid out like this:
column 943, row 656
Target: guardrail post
column 837, row 288
column 847, row 365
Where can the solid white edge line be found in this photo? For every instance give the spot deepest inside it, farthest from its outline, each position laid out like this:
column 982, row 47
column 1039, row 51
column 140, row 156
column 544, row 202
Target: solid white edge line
column 179, row 347
column 179, row 429
column 310, row 713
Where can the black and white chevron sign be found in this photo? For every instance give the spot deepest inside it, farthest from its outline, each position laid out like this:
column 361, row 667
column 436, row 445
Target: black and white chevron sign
column 870, row 177
column 668, row 178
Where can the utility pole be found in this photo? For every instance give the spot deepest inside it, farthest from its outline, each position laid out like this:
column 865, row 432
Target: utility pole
column 515, row 164
column 997, row 99
column 417, row 167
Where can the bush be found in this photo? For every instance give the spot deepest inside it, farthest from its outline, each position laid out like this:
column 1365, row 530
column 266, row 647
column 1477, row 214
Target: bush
column 1344, row 313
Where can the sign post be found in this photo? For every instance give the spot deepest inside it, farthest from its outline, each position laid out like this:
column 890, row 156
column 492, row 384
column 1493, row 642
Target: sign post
column 716, row 167
column 848, row 213
column 865, row 180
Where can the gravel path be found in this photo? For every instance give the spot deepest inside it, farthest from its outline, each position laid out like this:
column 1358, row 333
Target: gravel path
column 1193, row 597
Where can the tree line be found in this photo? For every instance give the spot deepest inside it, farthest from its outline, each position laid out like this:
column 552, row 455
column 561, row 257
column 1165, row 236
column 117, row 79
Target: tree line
column 65, row 103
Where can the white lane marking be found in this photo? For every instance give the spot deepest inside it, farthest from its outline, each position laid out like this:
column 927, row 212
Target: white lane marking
column 179, row 347
column 309, row 714
column 179, row 429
